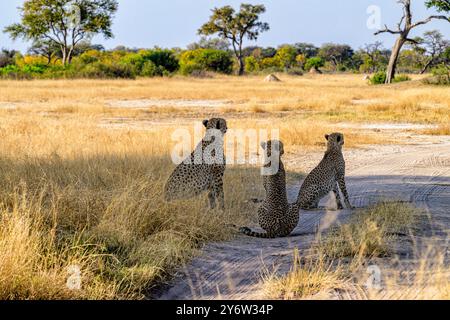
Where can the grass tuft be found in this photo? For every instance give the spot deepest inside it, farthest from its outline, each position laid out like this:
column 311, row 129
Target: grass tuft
column 369, row 232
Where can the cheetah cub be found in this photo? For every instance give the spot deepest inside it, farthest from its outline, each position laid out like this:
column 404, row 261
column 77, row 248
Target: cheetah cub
column 275, row 215
column 328, row 176
column 203, row 170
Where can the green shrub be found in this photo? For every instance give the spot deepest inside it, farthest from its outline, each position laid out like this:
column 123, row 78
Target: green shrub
column 401, row 78
column 206, row 60
column 161, row 58
column 315, row 62
column 151, row 63
column 149, row 69
column 108, row 70
column 441, row 76
column 295, row 71
column 12, row 68
column 90, row 56
column 252, row 64
column 378, row 78
column 34, row 68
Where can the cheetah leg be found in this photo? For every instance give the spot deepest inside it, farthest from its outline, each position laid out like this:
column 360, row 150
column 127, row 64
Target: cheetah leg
column 217, row 192
column 338, row 197
column 342, row 186
column 212, row 199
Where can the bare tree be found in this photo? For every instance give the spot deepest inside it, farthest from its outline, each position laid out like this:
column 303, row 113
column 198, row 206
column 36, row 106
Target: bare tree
column 434, row 45
column 405, row 26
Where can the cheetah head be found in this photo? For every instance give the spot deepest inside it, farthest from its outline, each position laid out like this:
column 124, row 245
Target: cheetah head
column 216, row 124
column 273, row 147
column 335, row 140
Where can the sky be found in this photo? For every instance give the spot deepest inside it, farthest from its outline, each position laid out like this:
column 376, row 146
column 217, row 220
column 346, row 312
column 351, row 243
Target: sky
column 174, row 23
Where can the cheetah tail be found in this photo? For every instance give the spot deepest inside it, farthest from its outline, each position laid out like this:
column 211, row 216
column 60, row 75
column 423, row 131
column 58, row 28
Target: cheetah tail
column 250, row 233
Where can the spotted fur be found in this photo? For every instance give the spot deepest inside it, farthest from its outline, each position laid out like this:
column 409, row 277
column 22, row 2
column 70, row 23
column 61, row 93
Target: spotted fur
column 190, row 178
column 276, row 216
column 328, row 176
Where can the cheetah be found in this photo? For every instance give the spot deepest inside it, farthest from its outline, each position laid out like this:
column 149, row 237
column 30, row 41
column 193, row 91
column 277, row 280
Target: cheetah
column 276, row 216
column 328, row 176
column 196, row 175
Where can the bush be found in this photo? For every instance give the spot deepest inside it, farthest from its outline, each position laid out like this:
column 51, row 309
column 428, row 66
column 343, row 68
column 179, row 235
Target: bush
column 151, row 63
column 108, row 70
column 295, row 71
column 206, row 60
column 90, row 56
column 25, row 72
column 252, row 64
column 161, row 58
column 34, row 68
column 378, row 78
column 9, row 69
column 315, row 62
column 401, row 78
column 149, row 69
column 441, row 76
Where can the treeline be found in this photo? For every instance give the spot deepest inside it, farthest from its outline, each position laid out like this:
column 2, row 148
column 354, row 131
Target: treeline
column 214, row 56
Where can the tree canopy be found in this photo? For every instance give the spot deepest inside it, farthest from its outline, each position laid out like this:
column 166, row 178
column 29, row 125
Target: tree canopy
column 236, row 26
column 64, row 22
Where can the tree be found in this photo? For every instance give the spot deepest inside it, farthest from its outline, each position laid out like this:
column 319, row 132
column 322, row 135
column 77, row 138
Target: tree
column 405, row 26
column 286, row 57
column 235, row 27
column 432, row 45
column 45, row 48
column 373, row 57
column 301, row 60
column 7, row 57
column 314, row 63
column 337, row 54
column 307, row 49
column 64, row 22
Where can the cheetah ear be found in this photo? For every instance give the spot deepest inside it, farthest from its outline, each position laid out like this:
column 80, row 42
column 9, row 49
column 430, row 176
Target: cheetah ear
column 205, row 123
column 264, row 145
column 327, row 136
column 339, row 139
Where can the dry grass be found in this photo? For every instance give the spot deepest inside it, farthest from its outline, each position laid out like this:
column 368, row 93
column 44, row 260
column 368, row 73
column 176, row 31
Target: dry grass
column 72, row 193
column 441, row 130
column 327, row 97
column 80, row 181
column 337, row 266
column 307, row 279
column 369, row 232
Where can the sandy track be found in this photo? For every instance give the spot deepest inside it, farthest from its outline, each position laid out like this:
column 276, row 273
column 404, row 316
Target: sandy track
column 414, row 173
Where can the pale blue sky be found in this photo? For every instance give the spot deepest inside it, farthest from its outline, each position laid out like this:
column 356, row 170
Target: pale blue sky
column 174, row 23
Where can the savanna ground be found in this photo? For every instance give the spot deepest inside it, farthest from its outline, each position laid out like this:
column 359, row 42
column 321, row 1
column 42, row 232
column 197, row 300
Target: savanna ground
column 83, row 164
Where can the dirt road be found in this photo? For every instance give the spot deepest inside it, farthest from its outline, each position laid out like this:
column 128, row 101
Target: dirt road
column 417, row 173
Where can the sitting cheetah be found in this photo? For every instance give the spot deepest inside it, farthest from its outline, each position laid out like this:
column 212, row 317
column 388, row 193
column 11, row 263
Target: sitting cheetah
column 328, row 176
column 193, row 176
column 276, row 216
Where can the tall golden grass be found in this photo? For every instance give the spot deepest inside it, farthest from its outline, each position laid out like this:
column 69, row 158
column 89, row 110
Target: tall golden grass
column 72, row 193
column 337, row 265
column 81, row 182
